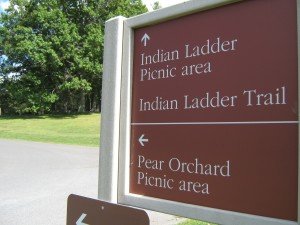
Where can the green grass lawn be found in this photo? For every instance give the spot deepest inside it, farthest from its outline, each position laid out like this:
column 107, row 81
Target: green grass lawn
column 73, row 129
column 195, row 222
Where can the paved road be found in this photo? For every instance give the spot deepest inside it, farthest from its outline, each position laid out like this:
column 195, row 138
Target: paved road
column 36, row 179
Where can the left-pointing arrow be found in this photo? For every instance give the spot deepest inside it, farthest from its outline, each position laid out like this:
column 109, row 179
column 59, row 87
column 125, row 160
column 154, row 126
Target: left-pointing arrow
column 142, row 140
column 81, row 218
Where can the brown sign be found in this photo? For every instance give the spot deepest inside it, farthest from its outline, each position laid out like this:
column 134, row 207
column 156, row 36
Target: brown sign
column 87, row 211
column 215, row 109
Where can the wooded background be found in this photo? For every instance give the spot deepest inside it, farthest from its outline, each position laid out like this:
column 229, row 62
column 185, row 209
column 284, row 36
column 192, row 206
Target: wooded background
column 51, row 53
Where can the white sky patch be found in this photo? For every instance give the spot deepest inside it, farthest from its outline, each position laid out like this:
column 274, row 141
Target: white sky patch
column 166, row 3
column 4, row 5
column 163, row 3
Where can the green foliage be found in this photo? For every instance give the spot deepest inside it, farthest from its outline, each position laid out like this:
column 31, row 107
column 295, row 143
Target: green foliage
column 53, row 53
column 126, row 8
column 76, row 85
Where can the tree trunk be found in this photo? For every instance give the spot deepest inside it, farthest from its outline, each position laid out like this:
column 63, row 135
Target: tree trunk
column 81, row 104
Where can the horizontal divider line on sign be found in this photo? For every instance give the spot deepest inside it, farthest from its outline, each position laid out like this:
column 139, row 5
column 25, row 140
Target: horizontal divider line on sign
column 216, row 123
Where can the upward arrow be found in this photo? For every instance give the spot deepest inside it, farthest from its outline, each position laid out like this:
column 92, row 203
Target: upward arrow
column 81, row 218
column 145, row 38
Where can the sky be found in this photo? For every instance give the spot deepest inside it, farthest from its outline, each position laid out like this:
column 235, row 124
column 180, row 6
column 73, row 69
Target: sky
column 164, row 3
column 3, row 4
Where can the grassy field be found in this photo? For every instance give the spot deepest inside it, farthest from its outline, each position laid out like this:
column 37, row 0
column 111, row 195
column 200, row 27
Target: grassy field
column 74, row 129
column 194, row 222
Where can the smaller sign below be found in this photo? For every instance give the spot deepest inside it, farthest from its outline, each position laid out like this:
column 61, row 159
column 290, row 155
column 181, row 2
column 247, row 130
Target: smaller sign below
column 87, row 211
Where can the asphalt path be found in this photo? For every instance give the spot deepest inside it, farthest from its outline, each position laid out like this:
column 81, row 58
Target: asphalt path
column 36, row 180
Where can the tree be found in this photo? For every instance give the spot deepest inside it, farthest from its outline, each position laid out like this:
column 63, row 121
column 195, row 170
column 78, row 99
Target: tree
column 53, row 53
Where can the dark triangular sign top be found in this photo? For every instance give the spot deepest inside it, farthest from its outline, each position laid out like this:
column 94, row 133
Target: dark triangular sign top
column 87, row 211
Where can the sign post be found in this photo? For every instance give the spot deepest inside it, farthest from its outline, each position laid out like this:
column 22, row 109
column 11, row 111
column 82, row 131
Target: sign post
column 209, row 112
